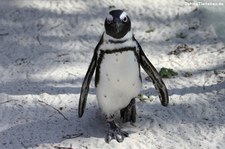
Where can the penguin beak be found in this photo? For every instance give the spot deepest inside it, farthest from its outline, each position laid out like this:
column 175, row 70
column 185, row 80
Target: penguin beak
column 117, row 25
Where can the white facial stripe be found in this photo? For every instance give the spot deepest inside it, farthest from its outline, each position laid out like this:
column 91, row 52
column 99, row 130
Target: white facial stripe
column 110, row 17
column 123, row 15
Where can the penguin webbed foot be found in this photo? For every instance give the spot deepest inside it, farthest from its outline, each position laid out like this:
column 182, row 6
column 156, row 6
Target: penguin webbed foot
column 115, row 133
column 128, row 114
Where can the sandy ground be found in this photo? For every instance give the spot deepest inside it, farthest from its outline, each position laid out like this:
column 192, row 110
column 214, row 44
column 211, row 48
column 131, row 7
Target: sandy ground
column 46, row 47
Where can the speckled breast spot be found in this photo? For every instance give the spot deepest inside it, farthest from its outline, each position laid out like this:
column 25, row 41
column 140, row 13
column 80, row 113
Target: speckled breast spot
column 119, row 80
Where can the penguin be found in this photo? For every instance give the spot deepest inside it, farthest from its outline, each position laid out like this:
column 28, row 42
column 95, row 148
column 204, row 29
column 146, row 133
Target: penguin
column 116, row 62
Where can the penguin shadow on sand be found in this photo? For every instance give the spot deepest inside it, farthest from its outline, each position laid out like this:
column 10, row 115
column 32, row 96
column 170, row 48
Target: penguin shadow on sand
column 150, row 115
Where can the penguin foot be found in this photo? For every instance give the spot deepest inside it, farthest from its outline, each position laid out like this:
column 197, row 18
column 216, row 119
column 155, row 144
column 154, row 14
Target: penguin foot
column 115, row 133
column 128, row 114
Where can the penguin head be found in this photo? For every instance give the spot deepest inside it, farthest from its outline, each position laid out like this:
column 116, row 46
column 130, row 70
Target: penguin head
column 117, row 24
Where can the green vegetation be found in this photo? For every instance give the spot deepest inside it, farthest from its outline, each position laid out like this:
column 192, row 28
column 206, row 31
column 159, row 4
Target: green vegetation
column 167, row 73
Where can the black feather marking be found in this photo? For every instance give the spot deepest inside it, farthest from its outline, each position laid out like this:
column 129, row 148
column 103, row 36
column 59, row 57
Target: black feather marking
column 119, row 50
column 117, row 41
column 99, row 61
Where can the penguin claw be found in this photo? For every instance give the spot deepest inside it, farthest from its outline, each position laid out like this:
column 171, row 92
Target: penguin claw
column 117, row 134
column 108, row 138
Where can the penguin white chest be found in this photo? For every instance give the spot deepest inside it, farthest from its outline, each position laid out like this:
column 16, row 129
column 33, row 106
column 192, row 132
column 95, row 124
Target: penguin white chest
column 119, row 81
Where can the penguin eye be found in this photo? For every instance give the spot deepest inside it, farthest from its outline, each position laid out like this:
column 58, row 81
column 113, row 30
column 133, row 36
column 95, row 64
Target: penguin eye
column 125, row 19
column 108, row 21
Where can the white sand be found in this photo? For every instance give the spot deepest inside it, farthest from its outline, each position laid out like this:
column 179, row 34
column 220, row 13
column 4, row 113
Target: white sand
column 46, row 47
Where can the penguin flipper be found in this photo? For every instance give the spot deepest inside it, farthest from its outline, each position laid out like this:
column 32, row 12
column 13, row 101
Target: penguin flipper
column 87, row 80
column 154, row 75
column 85, row 86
